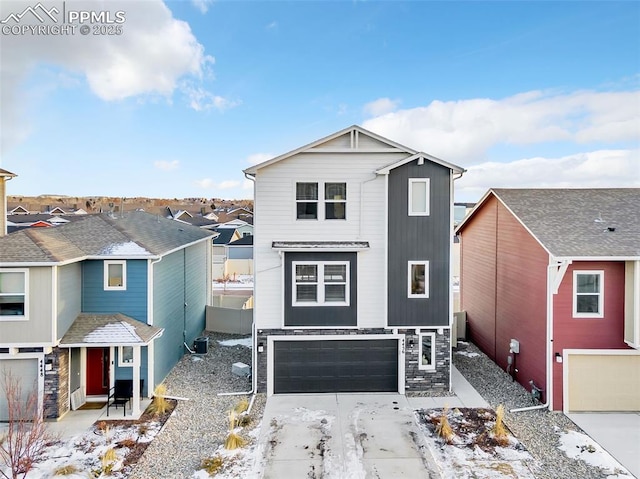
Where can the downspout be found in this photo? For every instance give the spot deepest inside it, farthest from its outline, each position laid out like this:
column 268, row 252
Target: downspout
column 151, row 347
column 551, row 290
column 254, row 339
column 451, row 222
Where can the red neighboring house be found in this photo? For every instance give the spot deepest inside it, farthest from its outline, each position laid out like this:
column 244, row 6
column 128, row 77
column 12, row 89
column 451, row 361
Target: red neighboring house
column 558, row 271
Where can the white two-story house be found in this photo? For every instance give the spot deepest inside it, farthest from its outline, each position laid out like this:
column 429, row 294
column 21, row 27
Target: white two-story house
column 352, row 253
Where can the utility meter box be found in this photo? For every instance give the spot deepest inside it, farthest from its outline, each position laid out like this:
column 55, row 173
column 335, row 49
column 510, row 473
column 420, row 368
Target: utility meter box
column 514, row 346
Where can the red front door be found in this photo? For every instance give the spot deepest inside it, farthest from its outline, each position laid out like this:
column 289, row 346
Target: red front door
column 97, row 371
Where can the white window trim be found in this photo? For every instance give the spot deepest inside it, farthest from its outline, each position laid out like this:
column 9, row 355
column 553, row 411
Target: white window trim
column 320, row 283
column 124, row 276
column 25, row 316
column 600, row 313
column 426, row 279
column 432, row 366
column 121, row 362
column 321, row 201
column 427, row 182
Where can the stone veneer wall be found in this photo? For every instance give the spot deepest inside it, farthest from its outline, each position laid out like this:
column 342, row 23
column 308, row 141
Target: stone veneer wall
column 415, row 378
column 419, row 380
column 56, row 384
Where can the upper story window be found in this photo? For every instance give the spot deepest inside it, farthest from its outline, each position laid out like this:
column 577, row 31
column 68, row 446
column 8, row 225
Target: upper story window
column 13, row 294
column 335, row 201
column 418, row 196
column 317, row 283
column 418, row 279
column 115, row 275
column 310, row 197
column 307, row 201
column 588, row 294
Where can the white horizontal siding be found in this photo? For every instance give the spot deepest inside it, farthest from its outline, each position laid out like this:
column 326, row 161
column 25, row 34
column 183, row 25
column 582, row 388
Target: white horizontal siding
column 275, row 220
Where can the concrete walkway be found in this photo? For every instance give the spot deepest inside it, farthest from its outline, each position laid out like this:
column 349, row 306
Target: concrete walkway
column 617, row 433
column 351, row 435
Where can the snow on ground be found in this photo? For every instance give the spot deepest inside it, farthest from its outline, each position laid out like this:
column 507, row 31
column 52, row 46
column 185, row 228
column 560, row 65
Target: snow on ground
column 467, row 354
column 83, row 453
column 237, row 342
column 241, row 281
column 577, row 445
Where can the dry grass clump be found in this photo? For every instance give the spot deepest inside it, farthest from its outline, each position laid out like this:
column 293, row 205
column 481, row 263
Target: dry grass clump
column 234, row 440
column 159, row 405
column 128, row 442
column 66, row 470
column 242, row 406
column 443, row 428
column 499, row 431
column 212, row 465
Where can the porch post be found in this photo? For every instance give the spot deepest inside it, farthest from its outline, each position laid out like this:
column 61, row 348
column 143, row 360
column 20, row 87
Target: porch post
column 135, row 406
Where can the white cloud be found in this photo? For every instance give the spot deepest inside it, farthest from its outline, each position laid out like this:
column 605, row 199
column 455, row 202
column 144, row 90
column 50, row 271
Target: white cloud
column 201, row 100
column 165, row 165
column 202, row 5
column 463, row 131
column 272, row 26
column 150, row 56
column 258, row 158
column 596, row 169
column 380, row 106
column 228, row 184
column 208, row 183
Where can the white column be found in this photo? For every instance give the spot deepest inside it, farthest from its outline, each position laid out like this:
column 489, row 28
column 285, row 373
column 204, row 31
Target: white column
column 135, row 406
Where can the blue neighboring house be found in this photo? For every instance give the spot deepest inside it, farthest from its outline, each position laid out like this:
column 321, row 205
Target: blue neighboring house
column 100, row 299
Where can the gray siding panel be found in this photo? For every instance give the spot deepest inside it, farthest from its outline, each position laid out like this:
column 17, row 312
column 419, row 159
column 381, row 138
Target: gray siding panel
column 179, row 301
column 419, row 238
column 69, row 296
column 321, row 316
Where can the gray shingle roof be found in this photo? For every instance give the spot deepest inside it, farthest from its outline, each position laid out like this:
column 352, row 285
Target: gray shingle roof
column 576, row 222
column 135, row 234
column 112, row 329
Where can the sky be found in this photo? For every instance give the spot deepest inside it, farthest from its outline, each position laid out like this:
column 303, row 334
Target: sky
column 174, row 99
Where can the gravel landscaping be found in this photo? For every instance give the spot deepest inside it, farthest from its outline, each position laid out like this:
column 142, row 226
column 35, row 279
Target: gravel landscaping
column 537, row 430
column 199, row 425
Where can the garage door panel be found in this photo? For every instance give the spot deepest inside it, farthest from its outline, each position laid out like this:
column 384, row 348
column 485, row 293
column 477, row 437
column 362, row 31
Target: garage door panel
column 336, row 366
column 24, row 370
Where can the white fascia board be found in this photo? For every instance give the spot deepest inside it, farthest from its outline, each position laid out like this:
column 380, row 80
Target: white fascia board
column 597, row 258
column 254, row 169
column 456, row 169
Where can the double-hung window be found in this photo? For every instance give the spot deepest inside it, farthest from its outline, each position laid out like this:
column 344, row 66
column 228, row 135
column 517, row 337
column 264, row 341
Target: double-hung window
column 318, row 283
column 335, row 201
column 13, row 294
column 307, row 201
column 115, row 275
column 418, row 279
column 588, row 294
column 321, row 201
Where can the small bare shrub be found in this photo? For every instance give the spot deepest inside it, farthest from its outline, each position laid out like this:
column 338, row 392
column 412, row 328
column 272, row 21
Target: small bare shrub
column 244, row 420
column 499, row 431
column 234, row 440
column 128, row 443
column 143, row 429
column 212, row 465
column 101, row 425
column 66, row 470
column 443, row 428
column 159, row 405
column 242, row 406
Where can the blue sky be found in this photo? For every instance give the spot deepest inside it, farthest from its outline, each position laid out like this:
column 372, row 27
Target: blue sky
column 521, row 94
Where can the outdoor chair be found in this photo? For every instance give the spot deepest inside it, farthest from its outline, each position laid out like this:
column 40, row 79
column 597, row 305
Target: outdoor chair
column 120, row 394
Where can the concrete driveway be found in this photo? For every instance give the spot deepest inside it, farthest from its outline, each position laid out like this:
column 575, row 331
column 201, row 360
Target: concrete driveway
column 617, row 433
column 342, row 435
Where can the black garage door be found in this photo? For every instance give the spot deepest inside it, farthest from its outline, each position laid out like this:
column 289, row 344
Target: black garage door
column 336, row 366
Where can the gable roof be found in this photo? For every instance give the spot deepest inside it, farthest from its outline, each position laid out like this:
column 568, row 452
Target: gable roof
column 108, row 329
column 575, row 223
column 134, row 235
column 244, row 241
column 352, row 132
column 420, row 157
column 7, row 174
column 225, row 235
